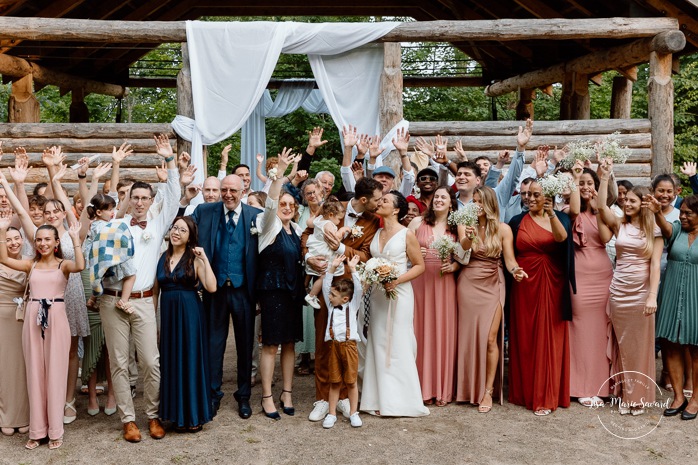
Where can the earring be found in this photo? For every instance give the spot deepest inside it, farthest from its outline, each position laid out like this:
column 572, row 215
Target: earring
column 55, row 249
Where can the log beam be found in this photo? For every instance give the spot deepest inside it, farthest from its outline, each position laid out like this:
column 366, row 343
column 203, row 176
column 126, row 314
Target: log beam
column 17, row 68
column 84, row 131
column 86, row 30
column 593, row 63
column 661, row 113
column 621, row 97
column 543, row 128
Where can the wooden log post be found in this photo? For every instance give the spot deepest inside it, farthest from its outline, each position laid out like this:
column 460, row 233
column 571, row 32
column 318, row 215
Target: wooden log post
column 23, row 107
column 524, row 107
column 621, row 97
column 661, row 112
column 566, row 97
column 580, row 107
column 185, row 100
column 79, row 112
column 390, row 100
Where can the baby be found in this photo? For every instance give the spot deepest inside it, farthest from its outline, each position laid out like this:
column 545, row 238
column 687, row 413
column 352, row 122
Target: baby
column 331, row 214
column 271, row 164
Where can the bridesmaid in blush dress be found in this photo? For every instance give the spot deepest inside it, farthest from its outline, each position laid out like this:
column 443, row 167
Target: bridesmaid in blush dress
column 540, row 307
column 633, row 300
column 435, row 309
column 590, row 366
column 481, row 291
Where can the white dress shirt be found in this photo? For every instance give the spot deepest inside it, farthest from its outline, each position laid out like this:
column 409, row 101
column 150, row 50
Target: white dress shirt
column 338, row 317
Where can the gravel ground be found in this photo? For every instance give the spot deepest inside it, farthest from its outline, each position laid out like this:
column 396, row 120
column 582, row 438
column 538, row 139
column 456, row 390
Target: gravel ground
column 453, row 434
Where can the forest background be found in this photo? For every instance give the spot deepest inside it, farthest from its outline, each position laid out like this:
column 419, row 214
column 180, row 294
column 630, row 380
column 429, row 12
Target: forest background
column 158, row 105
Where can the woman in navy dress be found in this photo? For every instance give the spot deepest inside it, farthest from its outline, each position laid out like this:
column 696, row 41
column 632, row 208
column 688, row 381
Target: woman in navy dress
column 184, row 386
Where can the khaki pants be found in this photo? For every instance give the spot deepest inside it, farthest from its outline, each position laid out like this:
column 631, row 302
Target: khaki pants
column 141, row 326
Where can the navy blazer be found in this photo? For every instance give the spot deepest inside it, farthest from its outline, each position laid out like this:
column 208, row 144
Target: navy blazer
column 207, row 216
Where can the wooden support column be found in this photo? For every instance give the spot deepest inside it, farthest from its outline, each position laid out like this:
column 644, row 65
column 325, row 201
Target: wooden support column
column 390, row 99
column 23, row 107
column 580, row 107
column 78, row 109
column 661, row 113
column 185, row 101
column 566, row 97
column 621, row 97
column 524, row 107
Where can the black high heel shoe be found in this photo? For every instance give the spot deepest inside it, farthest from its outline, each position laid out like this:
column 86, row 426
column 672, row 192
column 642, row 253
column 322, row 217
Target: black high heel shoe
column 290, row 411
column 273, row 415
column 671, row 412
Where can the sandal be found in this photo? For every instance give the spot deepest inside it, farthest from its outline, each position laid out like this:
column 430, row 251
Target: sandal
column 32, row 444
column 303, row 370
column 429, row 401
column 55, row 443
column 195, row 429
column 485, row 408
column 542, row 412
column 66, row 419
column 441, row 403
column 8, row 431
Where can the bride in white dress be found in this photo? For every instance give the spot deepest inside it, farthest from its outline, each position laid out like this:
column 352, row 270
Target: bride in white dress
column 390, row 380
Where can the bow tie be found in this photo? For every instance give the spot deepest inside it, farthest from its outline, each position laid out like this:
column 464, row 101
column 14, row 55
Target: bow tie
column 355, row 215
column 338, row 307
column 140, row 224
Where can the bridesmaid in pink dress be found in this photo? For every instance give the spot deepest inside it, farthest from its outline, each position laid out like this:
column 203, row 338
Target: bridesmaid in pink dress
column 633, row 300
column 590, row 366
column 435, row 310
column 481, row 291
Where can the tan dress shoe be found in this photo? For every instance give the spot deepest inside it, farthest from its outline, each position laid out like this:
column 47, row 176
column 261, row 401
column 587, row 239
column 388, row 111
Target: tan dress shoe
column 156, row 429
column 131, row 432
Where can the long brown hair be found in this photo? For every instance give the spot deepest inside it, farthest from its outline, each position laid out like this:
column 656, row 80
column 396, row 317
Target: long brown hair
column 430, row 214
column 493, row 243
column 646, row 221
column 188, row 256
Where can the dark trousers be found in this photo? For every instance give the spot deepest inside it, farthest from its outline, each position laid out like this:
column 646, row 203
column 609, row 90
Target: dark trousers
column 229, row 302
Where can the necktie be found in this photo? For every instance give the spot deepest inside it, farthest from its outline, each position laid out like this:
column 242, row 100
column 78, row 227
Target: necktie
column 231, row 223
column 140, row 224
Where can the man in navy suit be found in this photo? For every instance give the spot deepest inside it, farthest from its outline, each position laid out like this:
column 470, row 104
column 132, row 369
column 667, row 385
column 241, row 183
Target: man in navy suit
column 224, row 233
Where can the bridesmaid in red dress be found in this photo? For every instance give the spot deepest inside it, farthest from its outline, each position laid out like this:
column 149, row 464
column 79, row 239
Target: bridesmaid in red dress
column 435, row 309
column 539, row 360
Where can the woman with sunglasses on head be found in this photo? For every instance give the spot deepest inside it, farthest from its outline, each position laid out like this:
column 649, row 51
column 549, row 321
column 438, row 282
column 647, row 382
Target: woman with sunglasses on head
column 46, row 332
column 184, row 386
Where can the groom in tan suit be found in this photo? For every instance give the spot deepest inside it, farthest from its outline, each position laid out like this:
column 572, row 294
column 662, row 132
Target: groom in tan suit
column 359, row 215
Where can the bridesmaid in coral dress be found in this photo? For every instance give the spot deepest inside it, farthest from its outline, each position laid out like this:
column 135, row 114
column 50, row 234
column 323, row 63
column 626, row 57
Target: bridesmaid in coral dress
column 633, row 300
column 590, row 366
column 435, row 309
column 481, row 291
column 540, row 307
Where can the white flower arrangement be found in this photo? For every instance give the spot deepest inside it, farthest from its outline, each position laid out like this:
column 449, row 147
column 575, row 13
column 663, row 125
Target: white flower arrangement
column 254, row 231
column 273, row 174
column 417, row 192
column 378, row 271
column 357, row 231
column 146, row 237
column 581, row 150
column 444, row 246
column 466, row 216
column 553, row 185
column 611, row 148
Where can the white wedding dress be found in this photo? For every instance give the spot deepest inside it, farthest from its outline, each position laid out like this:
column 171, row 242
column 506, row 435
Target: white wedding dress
column 392, row 387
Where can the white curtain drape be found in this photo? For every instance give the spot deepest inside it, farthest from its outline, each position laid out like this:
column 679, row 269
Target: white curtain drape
column 231, row 64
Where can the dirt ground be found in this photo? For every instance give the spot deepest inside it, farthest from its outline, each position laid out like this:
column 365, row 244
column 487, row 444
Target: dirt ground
column 453, row 434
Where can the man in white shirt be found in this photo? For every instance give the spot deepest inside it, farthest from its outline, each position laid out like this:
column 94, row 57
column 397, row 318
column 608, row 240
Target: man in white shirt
column 141, row 325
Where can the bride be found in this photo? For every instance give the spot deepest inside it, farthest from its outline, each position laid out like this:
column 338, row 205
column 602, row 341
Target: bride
column 390, row 380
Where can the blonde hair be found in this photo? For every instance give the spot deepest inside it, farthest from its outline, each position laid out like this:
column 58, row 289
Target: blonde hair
column 488, row 199
column 646, row 221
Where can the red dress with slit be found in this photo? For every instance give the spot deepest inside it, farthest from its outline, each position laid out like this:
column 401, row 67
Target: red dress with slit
column 539, row 366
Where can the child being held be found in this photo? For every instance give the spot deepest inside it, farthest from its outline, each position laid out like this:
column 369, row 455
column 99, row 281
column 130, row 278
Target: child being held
column 331, row 214
column 271, row 164
column 343, row 299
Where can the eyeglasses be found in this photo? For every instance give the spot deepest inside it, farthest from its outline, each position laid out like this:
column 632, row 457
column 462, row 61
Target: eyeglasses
column 179, row 230
column 427, row 178
column 141, row 199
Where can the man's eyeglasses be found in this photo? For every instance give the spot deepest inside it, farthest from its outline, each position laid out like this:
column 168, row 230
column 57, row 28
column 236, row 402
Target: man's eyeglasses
column 427, row 178
column 141, row 199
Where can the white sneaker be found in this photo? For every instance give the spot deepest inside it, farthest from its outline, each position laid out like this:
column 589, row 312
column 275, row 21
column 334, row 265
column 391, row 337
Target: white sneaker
column 355, row 420
column 329, row 421
column 313, row 301
column 344, row 407
column 320, row 409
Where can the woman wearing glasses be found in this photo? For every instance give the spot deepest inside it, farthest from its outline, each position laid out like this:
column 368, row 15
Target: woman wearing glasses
column 184, row 387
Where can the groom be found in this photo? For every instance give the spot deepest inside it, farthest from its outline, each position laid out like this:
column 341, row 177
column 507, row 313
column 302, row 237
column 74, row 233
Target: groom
column 224, row 233
column 359, row 214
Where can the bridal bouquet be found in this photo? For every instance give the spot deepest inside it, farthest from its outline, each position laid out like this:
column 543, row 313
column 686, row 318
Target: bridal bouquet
column 611, row 148
column 444, row 246
column 466, row 216
column 581, row 150
column 555, row 184
column 378, row 271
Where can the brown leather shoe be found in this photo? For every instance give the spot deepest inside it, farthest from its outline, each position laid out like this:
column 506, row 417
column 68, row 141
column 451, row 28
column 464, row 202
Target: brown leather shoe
column 156, row 429
column 131, row 432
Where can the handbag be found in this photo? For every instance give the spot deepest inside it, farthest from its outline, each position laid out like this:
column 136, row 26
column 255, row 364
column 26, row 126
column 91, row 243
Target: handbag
column 22, row 301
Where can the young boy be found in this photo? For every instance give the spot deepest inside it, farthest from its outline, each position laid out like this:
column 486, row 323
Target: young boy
column 343, row 298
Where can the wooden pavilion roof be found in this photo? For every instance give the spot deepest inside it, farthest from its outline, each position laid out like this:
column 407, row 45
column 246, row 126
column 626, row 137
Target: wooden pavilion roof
column 499, row 60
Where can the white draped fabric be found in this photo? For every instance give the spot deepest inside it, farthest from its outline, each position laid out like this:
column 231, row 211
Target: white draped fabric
column 232, row 62
column 291, row 96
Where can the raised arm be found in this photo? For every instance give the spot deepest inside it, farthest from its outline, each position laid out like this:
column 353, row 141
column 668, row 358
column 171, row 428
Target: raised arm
column 19, row 265
column 315, row 141
column 605, row 213
column 651, row 202
column 350, row 138
column 558, row 230
column 70, row 266
column 224, row 162
column 60, row 194
column 117, row 156
column 258, row 170
column 689, row 169
column 24, row 218
column 401, row 142
column 575, row 195
column 204, row 271
column 19, row 175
